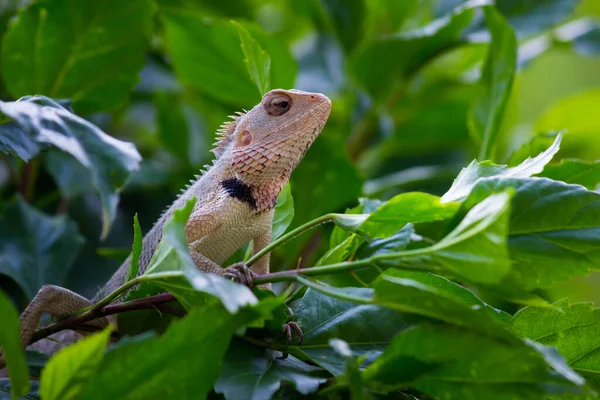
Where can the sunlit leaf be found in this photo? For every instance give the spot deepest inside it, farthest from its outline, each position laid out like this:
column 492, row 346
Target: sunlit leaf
column 123, row 375
column 12, row 352
column 476, row 171
column 413, row 207
column 69, row 370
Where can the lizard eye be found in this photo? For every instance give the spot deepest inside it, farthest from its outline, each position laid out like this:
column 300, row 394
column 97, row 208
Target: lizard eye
column 278, row 105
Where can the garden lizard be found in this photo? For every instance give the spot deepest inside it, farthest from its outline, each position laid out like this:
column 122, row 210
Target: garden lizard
column 256, row 153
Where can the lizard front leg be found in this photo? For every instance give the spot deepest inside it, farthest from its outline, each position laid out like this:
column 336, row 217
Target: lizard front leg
column 202, row 223
column 261, row 266
column 238, row 272
column 56, row 301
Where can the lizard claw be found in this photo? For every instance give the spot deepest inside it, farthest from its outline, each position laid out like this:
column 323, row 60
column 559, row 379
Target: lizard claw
column 288, row 328
column 240, row 273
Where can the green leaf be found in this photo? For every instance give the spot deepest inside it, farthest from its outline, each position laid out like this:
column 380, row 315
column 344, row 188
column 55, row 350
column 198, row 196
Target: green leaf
column 219, row 70
column 411, row 296
column 574, row 171
column 172, row 268
column 239, row 9
column 476, row 171
column 553, row 232
column 485, row 114
column 284, row 212
column 572, row 329
column 398, row 241
column 572, row 114
column 71, row 177
column 456, row 363
column 184, row 362
column 414, row 207
column 388, row 16
column 36, row 361
column 384, row 64
column 575, row 115
column 109, row 162
column 36, row 249
column 528, row 17
column 136, row 250
column 91, row 54
column 367, row 328
column 284, row 67
column 352, row 376
column 13, row 140
column 69, row 370
column 355, row 248
column 181, row 129
column 341, row 252
column 258, row 62
column 349, row 222
column 431, row 121
column 536, row 145
column 33, row 394
column 475, row 250
column 366, row 206
column 347, row 18
column 450, row 289
column 10, row 342
column 588, row 42
column 254, row 373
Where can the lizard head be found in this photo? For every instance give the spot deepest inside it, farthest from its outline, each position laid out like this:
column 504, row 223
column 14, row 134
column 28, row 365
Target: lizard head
column 269, row 141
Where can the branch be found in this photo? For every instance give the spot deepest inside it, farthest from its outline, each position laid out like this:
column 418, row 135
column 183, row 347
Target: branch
column 103, row 308
column 290, row 235
column 151, row 302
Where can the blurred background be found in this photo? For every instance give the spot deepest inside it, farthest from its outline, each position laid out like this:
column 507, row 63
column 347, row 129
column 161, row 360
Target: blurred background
column 401, row 75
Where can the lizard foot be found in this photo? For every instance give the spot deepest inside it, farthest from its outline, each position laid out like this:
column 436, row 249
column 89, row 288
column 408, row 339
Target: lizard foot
column 240, row 273
column 288, row 328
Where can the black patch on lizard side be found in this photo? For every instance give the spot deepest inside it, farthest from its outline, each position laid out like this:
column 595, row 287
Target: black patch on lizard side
column 239, row 190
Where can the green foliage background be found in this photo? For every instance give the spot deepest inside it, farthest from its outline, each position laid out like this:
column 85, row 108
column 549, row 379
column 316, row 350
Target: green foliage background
column 469, row 269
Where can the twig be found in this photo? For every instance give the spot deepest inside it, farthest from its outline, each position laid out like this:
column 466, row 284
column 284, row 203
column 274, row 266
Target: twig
column 137, row 304
column 104, row 308
column 290, row 235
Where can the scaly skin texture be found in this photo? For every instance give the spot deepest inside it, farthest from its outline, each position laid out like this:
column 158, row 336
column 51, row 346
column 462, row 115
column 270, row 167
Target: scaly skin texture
column 256, row 154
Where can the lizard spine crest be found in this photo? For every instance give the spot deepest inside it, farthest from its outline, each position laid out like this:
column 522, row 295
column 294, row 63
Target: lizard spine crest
column 225, row 133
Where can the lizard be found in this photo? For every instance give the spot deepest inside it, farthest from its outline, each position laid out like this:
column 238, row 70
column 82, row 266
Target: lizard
column 255, row 154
